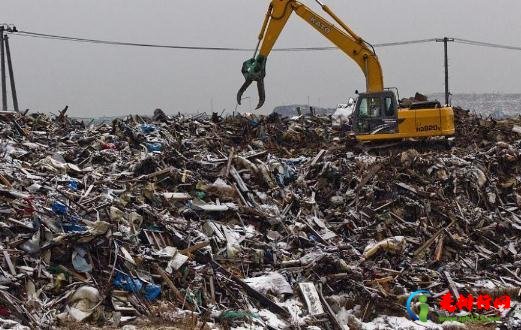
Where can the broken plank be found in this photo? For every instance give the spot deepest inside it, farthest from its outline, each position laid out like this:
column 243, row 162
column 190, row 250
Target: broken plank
column 452, row 284
column 237, row 177
column 320, row 154
column 312, row 299
column 9, row 263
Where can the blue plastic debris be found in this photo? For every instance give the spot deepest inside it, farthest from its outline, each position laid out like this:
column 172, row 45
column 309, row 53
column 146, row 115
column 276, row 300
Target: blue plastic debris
column 127, row 283
column 73, row 226
column 73, row 185
column 151, row 147
column 59, row 208
column 152, row 291
column 134, row 285
column 147, row 128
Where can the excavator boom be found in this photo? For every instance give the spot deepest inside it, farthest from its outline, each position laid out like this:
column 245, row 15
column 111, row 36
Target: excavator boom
column 343, row 37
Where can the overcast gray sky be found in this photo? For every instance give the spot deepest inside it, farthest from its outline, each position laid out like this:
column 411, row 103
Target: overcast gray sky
column 99, row 80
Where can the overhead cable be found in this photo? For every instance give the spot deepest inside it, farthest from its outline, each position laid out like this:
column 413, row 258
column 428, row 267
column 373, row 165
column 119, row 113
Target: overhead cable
column 235, row 49
column 485, row 44
column 204, row 48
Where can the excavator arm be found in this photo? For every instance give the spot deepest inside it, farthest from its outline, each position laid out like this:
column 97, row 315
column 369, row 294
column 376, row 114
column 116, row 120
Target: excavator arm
column 343, row 37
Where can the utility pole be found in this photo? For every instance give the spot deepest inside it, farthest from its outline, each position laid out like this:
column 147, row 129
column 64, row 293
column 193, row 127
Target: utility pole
column 446, row 53
column 2, row 69
column 11, row 75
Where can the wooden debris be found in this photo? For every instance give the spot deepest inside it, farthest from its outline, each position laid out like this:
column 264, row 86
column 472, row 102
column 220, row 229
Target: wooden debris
column 311, row 298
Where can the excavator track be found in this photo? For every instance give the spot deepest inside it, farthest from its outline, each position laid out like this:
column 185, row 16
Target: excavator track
column 395, row 147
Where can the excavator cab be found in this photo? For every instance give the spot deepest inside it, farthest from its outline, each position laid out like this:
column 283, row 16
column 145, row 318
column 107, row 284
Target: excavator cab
column 379, row 116
column 376, row 113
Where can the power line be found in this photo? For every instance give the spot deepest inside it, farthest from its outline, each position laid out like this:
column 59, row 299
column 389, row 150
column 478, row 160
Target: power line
column 485, row 44
column 204, row 48
column 401, row 43
column 120, row 43
column 235, row 49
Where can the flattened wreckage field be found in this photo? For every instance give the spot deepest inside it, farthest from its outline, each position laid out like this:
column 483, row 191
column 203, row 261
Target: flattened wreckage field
column 254, row 222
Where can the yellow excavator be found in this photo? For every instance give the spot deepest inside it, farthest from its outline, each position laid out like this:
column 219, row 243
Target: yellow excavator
column 378, row 115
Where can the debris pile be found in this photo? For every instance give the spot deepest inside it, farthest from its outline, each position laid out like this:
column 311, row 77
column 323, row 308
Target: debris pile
column 250, row 221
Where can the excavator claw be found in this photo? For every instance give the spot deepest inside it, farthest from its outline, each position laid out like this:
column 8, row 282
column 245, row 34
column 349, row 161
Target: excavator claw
column 243, row 88
column 262, row 93
column 254, row 69
column 260, row 88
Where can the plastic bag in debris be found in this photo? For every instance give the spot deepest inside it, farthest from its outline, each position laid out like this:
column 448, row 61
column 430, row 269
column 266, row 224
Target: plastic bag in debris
column 73, row 185
column 154, row 147
column 342, row 114
column 272, row 282
column 286, row 175
column 59, row 208
column 127, row 283
column 72, row 225
column 152, row 291
column 254, row 122
column 394, row 244
column 284, row 169
column 147, row 128
column 79, row 260
column 81, row 304
column 277, row 169
column 32, row 245
column 135, row 285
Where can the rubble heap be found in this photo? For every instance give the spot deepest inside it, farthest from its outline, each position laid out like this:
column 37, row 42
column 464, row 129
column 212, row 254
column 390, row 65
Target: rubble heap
column 250, row 220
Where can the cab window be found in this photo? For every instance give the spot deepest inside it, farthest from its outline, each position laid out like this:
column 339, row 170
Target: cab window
column 389, row 107
column 363, row 108
column 370, row 107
